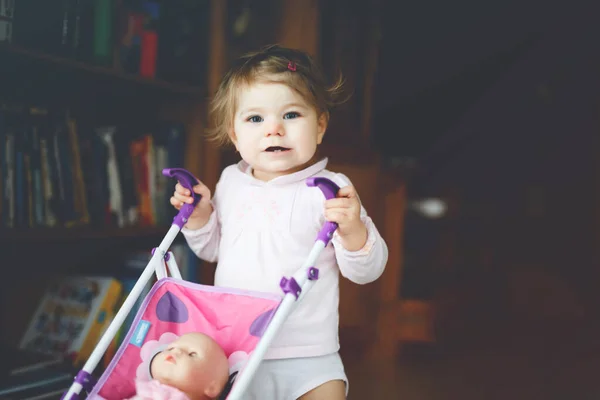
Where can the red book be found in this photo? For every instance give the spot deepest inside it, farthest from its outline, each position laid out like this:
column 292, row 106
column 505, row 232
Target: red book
column 149, row 51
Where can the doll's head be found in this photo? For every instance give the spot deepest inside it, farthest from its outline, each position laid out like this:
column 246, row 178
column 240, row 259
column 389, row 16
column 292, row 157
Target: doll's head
column 274, row 106
column 194, row 364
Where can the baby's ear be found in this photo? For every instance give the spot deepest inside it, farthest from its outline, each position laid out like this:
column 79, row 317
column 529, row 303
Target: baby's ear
column 232, row 137
column 322, row 123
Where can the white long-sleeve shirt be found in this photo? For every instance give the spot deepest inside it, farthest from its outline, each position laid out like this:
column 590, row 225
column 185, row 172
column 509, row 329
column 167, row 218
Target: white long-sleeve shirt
column 263, row 231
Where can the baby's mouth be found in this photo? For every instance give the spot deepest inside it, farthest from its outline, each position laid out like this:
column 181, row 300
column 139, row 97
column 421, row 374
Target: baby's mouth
column 170, row 359
column 276, row 149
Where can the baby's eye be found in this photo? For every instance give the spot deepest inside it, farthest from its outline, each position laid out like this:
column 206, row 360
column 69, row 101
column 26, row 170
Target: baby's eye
column 291, row 115
column 193, row 354
column 255, row 118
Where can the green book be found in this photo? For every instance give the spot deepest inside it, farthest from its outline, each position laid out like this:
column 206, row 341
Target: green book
column 103, row 29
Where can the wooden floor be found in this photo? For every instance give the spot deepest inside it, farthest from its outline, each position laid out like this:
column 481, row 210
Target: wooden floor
column 541, row 365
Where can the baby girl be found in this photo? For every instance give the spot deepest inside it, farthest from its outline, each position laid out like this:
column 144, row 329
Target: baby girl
column 193, row 367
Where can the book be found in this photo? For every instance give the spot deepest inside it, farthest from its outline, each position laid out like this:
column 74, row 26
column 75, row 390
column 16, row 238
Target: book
column 6, row 20
column 71, row 315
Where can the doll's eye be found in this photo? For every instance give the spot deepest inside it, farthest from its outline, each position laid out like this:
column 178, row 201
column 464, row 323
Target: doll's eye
column 193, row 354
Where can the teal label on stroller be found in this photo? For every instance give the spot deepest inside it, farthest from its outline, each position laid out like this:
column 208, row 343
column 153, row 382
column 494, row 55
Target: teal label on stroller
column 137, row 339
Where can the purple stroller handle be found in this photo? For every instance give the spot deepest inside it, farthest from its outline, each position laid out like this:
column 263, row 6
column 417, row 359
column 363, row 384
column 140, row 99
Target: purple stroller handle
column 330, row 190
column 188, row 181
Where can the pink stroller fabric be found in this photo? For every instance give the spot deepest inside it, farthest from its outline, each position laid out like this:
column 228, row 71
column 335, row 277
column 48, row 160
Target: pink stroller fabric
column 236, row 319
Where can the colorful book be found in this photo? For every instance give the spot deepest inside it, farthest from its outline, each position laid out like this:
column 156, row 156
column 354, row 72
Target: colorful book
column 71, row 316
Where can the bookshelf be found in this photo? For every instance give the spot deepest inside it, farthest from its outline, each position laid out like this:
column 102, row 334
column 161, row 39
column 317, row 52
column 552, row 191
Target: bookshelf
column 100, row 94
column 57, row 235
column 18, row 56
column 87, row 74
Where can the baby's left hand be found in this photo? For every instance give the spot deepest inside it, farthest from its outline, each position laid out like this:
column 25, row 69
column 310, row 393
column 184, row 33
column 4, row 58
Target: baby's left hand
column 345, row 211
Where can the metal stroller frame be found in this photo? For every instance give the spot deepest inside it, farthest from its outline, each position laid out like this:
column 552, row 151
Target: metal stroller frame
column 294, row 289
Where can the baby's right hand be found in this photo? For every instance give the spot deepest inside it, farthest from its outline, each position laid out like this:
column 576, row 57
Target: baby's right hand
column 203, row 209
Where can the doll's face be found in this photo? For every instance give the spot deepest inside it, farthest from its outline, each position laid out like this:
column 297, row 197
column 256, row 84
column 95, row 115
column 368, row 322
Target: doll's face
column 191, row 364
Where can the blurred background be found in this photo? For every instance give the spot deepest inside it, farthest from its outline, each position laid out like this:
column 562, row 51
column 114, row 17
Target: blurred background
column 471, row 136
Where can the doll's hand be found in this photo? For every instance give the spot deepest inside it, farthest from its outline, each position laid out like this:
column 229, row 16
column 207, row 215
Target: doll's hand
column 203, row 209
column 345, row 211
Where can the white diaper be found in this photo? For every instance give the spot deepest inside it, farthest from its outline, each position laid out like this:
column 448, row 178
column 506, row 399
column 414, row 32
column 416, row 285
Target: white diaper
column 290, row 378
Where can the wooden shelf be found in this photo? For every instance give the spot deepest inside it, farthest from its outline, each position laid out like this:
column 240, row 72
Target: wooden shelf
column 10, row 50
column 82, row 233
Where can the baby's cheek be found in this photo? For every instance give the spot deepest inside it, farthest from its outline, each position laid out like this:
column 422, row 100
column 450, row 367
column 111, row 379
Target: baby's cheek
column 185, row 371
column 159, row 370
column 188, row 378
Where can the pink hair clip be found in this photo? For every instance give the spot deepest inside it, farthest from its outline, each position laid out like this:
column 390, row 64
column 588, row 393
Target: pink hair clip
column 292, row 66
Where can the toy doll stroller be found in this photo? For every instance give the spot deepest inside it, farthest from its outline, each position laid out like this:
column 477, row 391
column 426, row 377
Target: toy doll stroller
column 243, row 323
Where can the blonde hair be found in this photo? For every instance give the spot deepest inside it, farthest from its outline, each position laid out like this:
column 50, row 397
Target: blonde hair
column 274, row 63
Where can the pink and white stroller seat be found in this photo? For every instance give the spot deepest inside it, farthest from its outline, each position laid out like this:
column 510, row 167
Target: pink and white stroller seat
column 243, row 323
column 235, row 319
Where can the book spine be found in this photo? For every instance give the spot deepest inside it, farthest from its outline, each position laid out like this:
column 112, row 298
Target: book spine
column 79, row 194
column 20, row 186
column 9, row 181
column 7, row 8
column 149, row 54
column 103, row 22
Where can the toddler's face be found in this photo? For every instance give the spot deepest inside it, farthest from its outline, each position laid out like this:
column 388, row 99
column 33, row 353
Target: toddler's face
column 275, row 130
column 182, row 364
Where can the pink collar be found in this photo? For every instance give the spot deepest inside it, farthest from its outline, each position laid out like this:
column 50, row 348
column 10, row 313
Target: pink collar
column 246, row 171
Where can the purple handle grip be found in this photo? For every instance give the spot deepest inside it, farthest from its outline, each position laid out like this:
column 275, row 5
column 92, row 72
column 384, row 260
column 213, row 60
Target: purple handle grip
column 188, row 181
column 330, row 190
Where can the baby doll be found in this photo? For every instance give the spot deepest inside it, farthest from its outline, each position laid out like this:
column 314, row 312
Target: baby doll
column 193, row 367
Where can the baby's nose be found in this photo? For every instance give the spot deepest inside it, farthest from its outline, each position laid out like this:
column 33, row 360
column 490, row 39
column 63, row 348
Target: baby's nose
column 176, row 351
column 274, row 129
